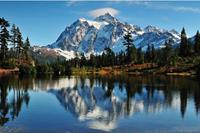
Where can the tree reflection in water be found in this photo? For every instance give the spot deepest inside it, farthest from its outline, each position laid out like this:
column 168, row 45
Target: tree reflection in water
column 102, row 100
column 13, row 94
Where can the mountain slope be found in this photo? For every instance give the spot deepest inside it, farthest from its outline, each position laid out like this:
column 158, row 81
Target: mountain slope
column 45, row 55
column 88, row 36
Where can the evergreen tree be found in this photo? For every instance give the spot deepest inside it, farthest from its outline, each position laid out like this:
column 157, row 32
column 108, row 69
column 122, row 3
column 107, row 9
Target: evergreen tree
column 103, row 59
column 83, row 60
column 26, row 48
column 92, row 60
column 19, row 47
column 147, row 56
column 4, row 38
column 121, row 58
column 153, row 53
column 13, row 38
column 76, row 59
column 140, row 56
column 197, row 43
column 133, row 52
column 128, row 42
column 109, row 57
column 167, row 53
column 98, row 60
column 184, row 48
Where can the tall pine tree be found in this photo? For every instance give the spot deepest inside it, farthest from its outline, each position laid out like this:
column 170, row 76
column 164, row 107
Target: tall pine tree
column 197, row 43
column 147, row 55
column 140, row 56
column 128, row 42
column 184, row 48
column 133, row 51
column 153, row 53
column 13, row 38
column 19, row 46
column 26, row 48
column 4, row 38
column 167, row 53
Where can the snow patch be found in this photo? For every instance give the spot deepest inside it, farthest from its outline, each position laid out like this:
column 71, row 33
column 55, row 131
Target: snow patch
column 67, row 54
column 97, row 25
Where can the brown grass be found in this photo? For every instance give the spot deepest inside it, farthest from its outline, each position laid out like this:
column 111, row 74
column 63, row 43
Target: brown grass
column 8, row 71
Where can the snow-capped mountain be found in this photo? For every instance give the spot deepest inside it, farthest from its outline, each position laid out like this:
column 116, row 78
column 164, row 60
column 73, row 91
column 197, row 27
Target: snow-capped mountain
column 93, row 36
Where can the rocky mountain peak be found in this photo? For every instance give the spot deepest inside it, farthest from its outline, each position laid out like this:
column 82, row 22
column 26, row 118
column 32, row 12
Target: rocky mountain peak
column 93, row 36
column 151, row 28
column 174, row 31
column 107, row 18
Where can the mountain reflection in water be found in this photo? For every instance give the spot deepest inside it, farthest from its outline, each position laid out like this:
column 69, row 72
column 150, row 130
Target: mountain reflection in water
column 105, row 100
column 100, row 101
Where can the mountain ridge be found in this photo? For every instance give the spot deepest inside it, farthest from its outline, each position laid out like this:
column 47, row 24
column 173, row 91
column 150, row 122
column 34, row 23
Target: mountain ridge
column 93, row 36
column 83, row 30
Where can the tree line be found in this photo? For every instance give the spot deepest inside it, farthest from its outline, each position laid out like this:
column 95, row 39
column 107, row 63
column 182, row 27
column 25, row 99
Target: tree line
column 169, row 55
column 13, row 50
column 15, row 53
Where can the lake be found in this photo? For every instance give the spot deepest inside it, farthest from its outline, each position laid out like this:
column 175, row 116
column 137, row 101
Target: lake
column 93, row 104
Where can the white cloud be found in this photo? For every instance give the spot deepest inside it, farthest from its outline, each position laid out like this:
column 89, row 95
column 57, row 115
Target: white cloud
column 187, row 9
column 70, row 3
column 102, row 11
column 167, row 6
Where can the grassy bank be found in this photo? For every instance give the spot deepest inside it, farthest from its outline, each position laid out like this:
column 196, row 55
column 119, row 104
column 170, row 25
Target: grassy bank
column 8, row 71
column 139, row 69
column 133, row 69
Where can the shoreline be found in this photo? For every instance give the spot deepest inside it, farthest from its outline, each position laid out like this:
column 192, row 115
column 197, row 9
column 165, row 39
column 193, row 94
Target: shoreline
column 121, row 70
column 8, row 71
column 130, row 71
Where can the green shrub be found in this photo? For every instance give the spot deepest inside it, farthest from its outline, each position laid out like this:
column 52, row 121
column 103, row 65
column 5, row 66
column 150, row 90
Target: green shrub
column 61, row 69
column 27, row 69
column 8, row 64
column 196, row 60
column 43, row 69
column 57, row 69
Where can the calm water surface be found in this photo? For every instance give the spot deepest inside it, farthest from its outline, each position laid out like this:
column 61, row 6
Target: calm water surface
column 122, row 104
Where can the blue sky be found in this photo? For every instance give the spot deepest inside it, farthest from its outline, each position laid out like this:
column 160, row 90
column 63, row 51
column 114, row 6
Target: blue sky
column 42, row 22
